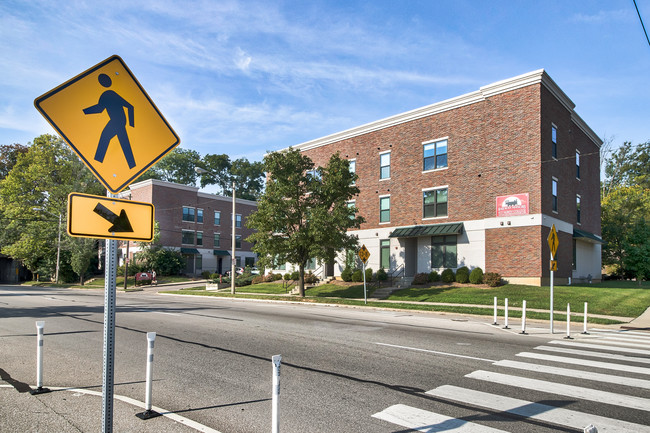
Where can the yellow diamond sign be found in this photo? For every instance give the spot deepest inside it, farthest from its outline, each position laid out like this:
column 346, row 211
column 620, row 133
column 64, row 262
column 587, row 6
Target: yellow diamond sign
column 364, row 254
column 94, row 216
column 110, row 122
column 553, row 241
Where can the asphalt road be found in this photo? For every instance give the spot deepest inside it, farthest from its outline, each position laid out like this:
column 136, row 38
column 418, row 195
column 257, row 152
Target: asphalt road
column 340, row 366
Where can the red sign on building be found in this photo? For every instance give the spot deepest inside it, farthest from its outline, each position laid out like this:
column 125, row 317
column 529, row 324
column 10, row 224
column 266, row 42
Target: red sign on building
column 511, row 205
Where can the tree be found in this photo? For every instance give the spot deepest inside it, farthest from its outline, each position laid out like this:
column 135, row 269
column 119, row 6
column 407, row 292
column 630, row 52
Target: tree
column 9, row 156
column 82, row 250
column 637, row 250
column 178, row 167
column 41, row 179
column 304, row 213
column 248, row 176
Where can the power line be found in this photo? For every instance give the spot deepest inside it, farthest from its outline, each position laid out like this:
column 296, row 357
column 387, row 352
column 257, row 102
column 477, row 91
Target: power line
column 641, row 19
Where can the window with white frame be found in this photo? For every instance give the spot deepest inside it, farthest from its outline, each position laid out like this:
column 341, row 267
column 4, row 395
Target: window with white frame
column 238, row 221
column 554, row 193
column 384, row 165
column 188, row 214
column 577, row 165
column 187, row 237
column 384, row 209
column 578, row 208
column 199, row 216
column 199, row 239
column 444, row 252
column 434, row 202
column 217, row 218
column 353, row 166
column 217, row 240
column 238, row 241
column 554, row 141
column 384, row 254
column 352, row 205
column 435, row 155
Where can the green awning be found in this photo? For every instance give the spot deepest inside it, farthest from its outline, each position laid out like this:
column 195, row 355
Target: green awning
column 586, row 236
column 189, row 251
column 428, row 230
column 221, row 253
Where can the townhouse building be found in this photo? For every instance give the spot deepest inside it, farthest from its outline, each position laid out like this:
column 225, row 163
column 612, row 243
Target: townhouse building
column 197, row 224
column 478, row 181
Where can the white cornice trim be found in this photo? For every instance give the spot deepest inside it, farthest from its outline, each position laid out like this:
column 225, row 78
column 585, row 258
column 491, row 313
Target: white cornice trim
column 518, row 82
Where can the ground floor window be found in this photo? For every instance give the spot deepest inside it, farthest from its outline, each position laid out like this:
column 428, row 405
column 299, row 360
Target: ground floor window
column 249, row 261
column 444, row 252
column 311, row 265
column 193, row 263
column 384, row 254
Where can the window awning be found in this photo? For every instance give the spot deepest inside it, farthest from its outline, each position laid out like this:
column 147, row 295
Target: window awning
column 586, row 236
column 428, row 230
column 189, row 251
column 221, row 253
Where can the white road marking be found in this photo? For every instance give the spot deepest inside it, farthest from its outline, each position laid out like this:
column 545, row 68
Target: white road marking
column 429, row 422
column 537, row 411
column 586, row 362
column 600, row 347
column 594, row 354
column 578, row 392
column 579, row 374
column 435, row 352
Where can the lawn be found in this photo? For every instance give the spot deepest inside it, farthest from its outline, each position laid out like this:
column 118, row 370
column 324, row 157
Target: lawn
column 617, row 298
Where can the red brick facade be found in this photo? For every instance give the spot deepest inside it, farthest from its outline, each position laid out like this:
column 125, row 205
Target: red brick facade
column 498, row 144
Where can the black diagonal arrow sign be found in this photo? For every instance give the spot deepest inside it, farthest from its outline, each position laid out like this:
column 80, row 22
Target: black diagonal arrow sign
column 93, row 216
column 120, row 223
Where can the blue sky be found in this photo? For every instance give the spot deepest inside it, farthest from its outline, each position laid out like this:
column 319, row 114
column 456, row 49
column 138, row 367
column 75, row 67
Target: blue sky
column 246, row 77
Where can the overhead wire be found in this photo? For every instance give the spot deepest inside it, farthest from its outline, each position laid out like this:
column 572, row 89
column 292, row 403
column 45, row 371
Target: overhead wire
column 641, row 20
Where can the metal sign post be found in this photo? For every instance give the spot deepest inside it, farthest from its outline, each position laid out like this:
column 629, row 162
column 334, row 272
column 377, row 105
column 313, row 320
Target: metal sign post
column 109, row 334
column 553, row 242
column 364, row 255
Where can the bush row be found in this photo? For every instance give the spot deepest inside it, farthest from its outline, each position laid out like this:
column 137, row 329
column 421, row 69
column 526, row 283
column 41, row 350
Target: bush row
column 462, row 275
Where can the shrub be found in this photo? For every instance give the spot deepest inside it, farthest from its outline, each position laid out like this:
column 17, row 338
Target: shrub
column 277, row 277
column 476, row 276
column 295, row 275
column 205, row 275
column 346, row 275
column 492, row 279
column 433, row 277
column 448, row 276
column 462, row 275
column 381, row 275
column 368, row 275
column 357, row 276
column 310, row 278
column 420, row 279
column 287, row 276
column 257, row 279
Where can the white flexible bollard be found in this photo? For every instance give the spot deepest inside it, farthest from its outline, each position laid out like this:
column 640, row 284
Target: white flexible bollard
column 495, row 311
column 40, row 327
column 523, row 317
column 506, row 316
column 148, row 413
column 590, row 429
column 275, row 415
column 584, row 327
column 568, row 322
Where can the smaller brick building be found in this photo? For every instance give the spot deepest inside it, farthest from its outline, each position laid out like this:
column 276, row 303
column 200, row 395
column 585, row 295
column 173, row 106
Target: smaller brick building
column 478, row 181
column 197, row 224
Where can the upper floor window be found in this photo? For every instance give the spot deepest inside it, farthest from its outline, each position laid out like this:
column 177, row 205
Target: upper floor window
column 554, row 193
column 188, row 214
column 554, row 141
column 352, row 205
column 238, row 241
column 199, row 215
column 238, row 221
column 217, row 218
column 384, row 165
column 187, row 237
column 435, row 155
column 384, row 209
column 577, row 165
column 435, row 203
column 217, row 240
column 578, row 209
column 315, row 173
column 199, row 238
column 353, row 166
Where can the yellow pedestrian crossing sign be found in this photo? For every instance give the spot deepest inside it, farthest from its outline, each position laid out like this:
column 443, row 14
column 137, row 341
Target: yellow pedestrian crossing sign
column 110, row 122
column 364, row 254
column 553, row 241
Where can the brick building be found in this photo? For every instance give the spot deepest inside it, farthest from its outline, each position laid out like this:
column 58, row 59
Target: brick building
column 197, row 224
column 478, row 181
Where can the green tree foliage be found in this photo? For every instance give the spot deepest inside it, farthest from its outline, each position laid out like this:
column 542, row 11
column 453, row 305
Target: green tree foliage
column 626, row 211
column 248, row 176
column 41, row 178
column 177, row 166
column 304, row 213
column 9, row 156
column 82, row 253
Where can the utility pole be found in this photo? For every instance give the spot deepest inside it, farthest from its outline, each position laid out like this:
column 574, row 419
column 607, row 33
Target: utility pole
column 232, row 259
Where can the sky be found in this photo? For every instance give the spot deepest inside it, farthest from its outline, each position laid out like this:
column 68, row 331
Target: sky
column 248, row 77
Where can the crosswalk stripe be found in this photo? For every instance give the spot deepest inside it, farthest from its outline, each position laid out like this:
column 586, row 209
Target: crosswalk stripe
column 614, row 331
column 586, row 362
column 600, row 347
column 594, row 354
column 430, row 422
column 565, row 390
column 607, row 341
column 630, row 338
column 537, row 411
column 578, row 374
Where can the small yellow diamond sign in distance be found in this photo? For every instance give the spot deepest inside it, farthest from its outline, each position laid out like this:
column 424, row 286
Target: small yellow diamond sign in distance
column 553, row 241
column 94, row 216
column 110, row 122
column 364, row 254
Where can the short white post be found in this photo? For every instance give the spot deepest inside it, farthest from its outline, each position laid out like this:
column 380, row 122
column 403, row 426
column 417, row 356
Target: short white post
column 523, row 318
column 568, row 322
column 584, row 327
column 495, row 311
column 275, row 415
column 590, row 429
column 148, row 413
column 40, row 325
column 506, row 315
